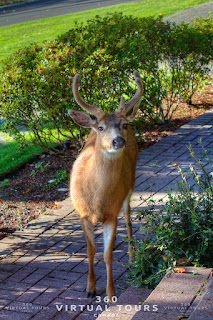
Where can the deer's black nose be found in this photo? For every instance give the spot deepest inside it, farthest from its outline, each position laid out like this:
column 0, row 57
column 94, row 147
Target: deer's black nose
column 118, row 143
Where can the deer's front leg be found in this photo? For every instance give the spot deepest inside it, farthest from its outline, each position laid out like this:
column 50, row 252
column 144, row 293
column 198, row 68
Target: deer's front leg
column 109, row 239
column 88, row 229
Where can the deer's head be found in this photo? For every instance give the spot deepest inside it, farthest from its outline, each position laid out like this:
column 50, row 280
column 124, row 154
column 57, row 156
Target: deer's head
column 111, row 128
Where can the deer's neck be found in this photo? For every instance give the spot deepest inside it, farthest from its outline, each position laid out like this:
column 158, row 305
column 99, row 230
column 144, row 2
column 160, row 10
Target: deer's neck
column 108, row 166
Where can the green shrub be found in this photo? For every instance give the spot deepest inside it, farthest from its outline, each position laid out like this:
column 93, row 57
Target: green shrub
column 185, row 67
column 181, row 229
column 35, row 91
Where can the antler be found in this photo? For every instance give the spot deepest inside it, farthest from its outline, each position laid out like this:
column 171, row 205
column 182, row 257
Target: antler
column 126, row 107
column 93, row 109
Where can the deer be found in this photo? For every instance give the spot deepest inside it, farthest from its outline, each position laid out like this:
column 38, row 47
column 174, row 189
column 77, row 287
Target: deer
column 103, row 175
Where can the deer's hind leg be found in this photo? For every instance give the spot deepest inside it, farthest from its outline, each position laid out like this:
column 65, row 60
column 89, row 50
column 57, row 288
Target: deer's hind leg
column 88, row 229
column 126, row 210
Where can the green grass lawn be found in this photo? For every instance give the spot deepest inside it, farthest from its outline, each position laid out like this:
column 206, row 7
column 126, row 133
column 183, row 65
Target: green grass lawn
column 21, row 35
column 11, row 158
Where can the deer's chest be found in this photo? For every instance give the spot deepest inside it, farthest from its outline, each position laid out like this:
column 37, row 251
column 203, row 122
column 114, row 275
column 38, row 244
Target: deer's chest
column 100, row 199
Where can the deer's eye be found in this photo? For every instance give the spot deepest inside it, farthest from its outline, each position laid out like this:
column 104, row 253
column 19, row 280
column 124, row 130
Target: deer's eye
column 101, row 128
column 125, row 126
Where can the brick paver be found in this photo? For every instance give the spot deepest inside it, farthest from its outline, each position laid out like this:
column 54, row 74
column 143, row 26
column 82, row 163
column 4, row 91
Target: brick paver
column 46, row 265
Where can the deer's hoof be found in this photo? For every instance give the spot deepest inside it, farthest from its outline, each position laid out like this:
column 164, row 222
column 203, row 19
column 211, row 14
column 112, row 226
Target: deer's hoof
column 91, row 294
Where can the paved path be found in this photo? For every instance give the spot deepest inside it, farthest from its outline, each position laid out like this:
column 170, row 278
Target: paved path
column 43, row 271
column 198, row 11
column 40, row 9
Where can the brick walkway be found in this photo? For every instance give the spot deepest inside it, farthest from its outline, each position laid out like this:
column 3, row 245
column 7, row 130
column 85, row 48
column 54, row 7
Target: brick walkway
column 43, row 271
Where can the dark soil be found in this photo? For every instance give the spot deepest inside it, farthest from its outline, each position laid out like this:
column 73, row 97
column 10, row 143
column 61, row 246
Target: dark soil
column 25, row 197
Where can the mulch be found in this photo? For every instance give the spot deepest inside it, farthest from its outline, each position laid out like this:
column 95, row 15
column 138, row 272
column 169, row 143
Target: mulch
column 25, row 196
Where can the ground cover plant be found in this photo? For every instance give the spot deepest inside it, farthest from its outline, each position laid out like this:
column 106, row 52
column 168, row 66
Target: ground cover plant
column 180, row 232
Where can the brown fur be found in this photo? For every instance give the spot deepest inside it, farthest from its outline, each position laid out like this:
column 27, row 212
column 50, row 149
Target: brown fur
column 94, row 191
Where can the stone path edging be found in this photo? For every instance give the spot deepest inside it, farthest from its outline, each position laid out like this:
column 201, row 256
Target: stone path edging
column 189, row 293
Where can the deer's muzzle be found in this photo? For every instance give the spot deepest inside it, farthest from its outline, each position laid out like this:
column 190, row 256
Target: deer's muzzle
column 118, row 143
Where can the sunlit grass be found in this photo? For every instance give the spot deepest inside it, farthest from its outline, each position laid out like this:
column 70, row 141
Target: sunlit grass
column 12, row 157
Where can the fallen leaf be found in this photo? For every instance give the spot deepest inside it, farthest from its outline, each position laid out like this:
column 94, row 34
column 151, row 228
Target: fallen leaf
column 57, row 205
column 175, row 164
column 211, row 275
column 183, row 317
column 165, row 257
column 182, row 261
column 179, row 270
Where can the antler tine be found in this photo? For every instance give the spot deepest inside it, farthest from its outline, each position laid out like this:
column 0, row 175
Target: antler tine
column 93, row 109
column 137, row 95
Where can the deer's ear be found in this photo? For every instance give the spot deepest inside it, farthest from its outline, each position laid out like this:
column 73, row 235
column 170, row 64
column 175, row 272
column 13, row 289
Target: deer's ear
column 82, row 118
column 130, row 115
